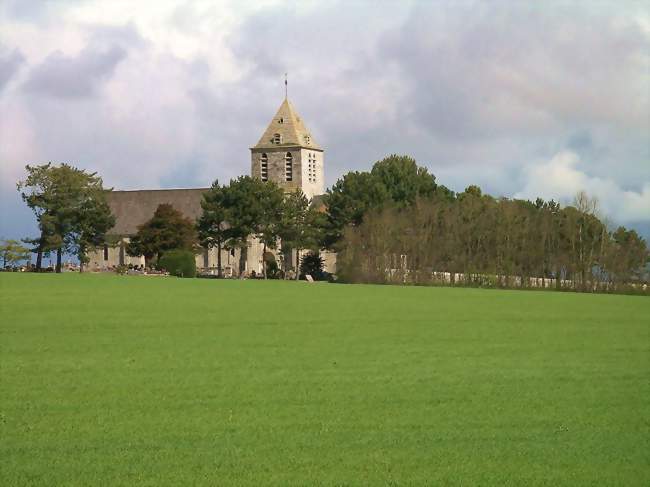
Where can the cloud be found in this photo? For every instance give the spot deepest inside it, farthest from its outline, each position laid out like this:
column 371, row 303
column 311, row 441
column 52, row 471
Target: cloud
column 560, row 179
column 62, row 76
column 174, row 94
column 10, row 63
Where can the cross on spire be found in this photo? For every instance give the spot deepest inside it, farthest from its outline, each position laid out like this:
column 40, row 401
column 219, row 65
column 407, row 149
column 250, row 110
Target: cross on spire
column 285, row 86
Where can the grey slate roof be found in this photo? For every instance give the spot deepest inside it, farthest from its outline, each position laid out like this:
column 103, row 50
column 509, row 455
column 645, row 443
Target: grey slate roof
column 133, row 208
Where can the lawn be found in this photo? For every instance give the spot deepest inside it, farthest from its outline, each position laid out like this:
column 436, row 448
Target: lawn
column 108, row 380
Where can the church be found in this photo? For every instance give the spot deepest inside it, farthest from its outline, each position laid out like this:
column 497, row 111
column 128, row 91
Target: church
column 286, row 154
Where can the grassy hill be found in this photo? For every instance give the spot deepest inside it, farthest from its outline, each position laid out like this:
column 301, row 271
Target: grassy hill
column 108, row 380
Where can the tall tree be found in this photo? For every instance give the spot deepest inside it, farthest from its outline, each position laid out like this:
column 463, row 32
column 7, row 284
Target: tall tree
column 167, row 230
column 403, row 179
column 254, row 208
column 70, row 207
column 349, row 200
column 90, row 229
column 212, row 226
column 299, row 226
column 395, row 180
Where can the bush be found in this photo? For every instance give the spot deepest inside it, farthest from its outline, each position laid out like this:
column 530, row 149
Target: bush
column 180, row 263
column 312, row 264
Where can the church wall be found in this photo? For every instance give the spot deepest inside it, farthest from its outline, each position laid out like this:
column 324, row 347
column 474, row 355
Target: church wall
column 276, row 166
column 329, row 261
column 309, row 177
column 229, row 262
column 113, row 256
column 312, row 174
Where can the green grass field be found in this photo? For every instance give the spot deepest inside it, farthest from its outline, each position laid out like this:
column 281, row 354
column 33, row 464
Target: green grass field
column 109, row 380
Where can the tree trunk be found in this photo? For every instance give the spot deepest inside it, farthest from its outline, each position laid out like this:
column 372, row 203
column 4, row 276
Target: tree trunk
column 58, row 260
column 243, row 255
column 297, row 264
column 219, row 272
column 264, row 260
column 39, row 258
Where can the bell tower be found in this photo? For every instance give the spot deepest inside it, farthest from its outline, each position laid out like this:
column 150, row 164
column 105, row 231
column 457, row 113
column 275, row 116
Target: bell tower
column 288, row 155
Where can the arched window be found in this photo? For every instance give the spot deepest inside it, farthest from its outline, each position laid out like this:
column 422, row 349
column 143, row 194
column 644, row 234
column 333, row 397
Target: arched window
column 288, row 167
column 264, row 167
column 277, row 139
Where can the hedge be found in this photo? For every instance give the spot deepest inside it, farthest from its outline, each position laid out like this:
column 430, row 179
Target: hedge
column 180, row 263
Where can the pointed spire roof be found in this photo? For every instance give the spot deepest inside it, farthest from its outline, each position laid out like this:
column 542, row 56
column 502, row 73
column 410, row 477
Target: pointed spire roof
column 291, row 129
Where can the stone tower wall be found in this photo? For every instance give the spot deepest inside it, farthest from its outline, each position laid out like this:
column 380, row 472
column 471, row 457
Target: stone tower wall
column 312, row 182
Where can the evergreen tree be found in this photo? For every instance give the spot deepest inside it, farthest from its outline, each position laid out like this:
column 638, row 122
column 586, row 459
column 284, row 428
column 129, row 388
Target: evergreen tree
column 167, row 230
column 212, row 226
column 70, row 207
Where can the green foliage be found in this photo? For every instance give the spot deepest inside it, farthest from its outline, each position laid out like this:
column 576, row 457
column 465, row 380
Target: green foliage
column 272, row 268
column 168, row 229
column 312, row 264
column 178, row 262
column 149, row 381
column 70, row 207
column 253, row 208
column 488, row 242
column 403, row 179
column 13, row 253
column 213, row 227
column 395, row 180
column 121, row 270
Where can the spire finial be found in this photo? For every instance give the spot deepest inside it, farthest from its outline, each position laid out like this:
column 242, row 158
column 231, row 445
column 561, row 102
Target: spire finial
column 286, row 89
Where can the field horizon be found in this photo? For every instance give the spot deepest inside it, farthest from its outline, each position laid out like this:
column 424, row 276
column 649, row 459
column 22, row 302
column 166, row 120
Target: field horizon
column 125, row 380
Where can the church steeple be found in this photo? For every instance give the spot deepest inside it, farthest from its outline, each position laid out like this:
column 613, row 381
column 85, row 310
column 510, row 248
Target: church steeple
column 286, row 129
column 288, row 155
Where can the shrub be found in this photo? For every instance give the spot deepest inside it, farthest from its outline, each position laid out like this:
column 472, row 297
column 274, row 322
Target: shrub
column 312, row 264
column 180, row 263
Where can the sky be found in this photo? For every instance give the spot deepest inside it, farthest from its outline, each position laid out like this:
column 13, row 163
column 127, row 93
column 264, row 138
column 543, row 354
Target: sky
column 524, row 99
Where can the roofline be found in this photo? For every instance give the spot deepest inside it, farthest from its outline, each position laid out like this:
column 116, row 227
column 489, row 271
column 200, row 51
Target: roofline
column 156, row 189
column 288, row 146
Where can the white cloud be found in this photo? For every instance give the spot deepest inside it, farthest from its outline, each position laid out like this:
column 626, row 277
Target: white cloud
column 561, row 180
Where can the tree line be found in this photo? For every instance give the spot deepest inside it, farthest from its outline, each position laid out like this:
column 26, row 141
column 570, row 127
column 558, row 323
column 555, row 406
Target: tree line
column 394, row 224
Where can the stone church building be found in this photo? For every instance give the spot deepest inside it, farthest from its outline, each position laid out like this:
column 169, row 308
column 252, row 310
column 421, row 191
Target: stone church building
column 286, row 154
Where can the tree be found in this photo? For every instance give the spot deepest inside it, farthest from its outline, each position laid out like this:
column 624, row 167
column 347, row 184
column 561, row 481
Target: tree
column 12, row 252
column 629, row 255
column 312, row 264
column 299, row 225
column 212, row 226
column 70, row 207
column 92, row 223
column 395, row 180
column 254, row 208
column 167, row 230
column 37, row 190
column 403, row 179
column 348, row 201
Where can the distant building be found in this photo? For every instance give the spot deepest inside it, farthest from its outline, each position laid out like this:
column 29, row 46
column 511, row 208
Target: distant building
column 286, row 154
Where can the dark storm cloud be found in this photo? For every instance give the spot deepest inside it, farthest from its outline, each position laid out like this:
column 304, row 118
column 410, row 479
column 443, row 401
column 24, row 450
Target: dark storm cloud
column 10, row 63
column 74, row 77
